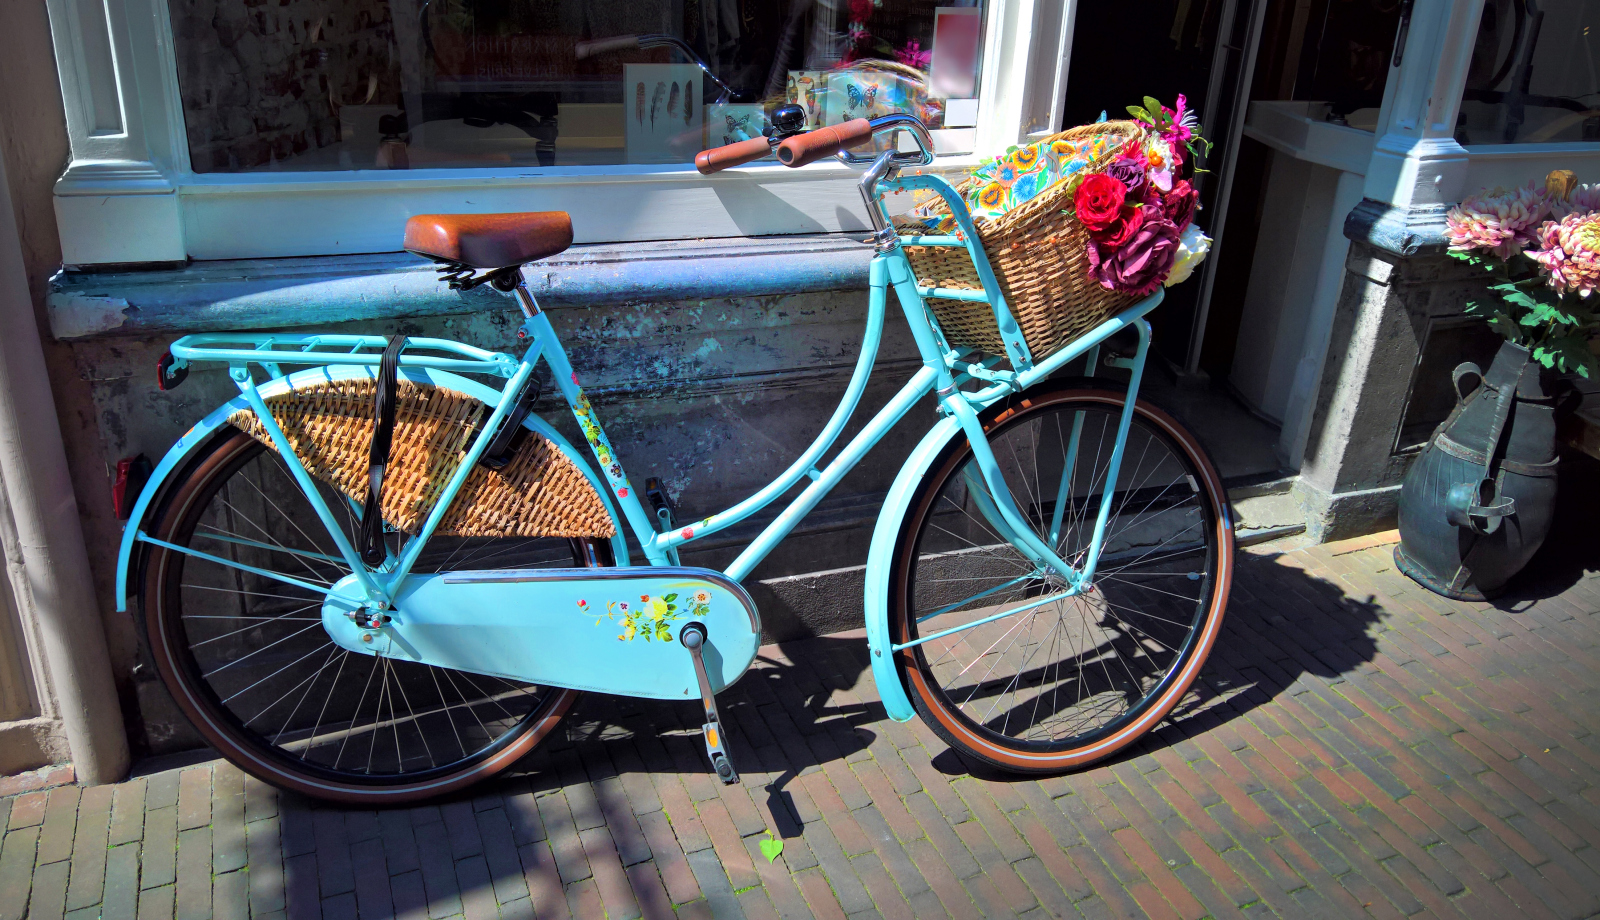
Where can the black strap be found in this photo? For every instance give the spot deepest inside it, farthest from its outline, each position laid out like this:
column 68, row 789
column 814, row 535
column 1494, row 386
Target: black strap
column 373, row 550
column 1479, row 506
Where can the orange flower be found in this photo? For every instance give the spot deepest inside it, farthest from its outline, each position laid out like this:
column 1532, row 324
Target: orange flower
column 992, row 196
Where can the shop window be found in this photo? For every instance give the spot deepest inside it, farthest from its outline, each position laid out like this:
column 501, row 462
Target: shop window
column 1535, row 74
column 307, row 85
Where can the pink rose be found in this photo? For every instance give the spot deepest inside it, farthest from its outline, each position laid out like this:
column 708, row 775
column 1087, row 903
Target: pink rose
column 1179, row 204
column 1142, row 263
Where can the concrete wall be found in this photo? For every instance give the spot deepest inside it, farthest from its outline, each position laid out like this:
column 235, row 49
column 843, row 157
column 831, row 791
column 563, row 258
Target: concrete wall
column 1350, row 481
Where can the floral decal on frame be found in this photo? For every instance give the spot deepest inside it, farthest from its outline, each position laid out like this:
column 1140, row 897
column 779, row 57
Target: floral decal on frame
column 652, row 617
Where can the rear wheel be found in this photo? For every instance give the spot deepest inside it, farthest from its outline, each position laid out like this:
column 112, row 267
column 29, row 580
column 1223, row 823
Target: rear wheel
column 247, row 659
column 1049, row 681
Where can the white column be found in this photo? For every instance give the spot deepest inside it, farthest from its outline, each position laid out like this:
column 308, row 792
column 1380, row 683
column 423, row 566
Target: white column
column 116, row 202
column 47, row 562
column 1416, row 163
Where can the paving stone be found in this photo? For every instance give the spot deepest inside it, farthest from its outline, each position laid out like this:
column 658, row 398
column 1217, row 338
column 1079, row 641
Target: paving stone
column 157, row 903
column 230, row 897
column 89, row 848
column 28, row 810
column 49, row 898
column 194, row 874
column 158, row 856
column 228, row 844
column 719, row 894
column 194, row 797
column 127, row 813
column 120, row 897
column 60, row 820
column 266, row 866
column 301, row 899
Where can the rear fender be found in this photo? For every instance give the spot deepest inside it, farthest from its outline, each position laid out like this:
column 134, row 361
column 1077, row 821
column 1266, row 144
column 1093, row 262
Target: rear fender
column 162, row 478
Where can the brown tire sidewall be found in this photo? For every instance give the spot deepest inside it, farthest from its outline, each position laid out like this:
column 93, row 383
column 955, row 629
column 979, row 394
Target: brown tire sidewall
column 929, row 701
column 227, row 453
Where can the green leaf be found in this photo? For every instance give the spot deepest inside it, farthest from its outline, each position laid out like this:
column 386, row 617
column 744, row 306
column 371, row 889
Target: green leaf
column 1141, row 114
column 771, row 847
column 669, row 598
column 1152, row 104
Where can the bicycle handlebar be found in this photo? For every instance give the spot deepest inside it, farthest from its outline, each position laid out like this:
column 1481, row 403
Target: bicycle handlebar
column 802, row 149
column 726, row 157
column 824, row 142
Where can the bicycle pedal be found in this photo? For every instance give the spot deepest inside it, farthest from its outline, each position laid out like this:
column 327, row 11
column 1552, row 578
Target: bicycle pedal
column 719, row 754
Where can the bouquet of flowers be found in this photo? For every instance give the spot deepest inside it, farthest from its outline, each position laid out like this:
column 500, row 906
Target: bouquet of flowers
column 1140, row 217
column 1541, row 250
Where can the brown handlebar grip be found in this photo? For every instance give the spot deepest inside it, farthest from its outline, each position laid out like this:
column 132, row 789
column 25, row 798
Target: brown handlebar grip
column 824, row 142
column 719, row 158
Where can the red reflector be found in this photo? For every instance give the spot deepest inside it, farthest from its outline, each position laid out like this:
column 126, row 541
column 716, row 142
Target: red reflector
column 132, row 474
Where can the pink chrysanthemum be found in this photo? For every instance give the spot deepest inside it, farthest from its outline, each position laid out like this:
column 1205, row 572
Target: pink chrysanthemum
column 1502, row 222
column 1569, row 249
column 1585, row 199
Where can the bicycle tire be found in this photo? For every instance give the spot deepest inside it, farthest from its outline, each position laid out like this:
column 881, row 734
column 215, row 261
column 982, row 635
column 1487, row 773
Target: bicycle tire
column 924, row 559
column 174, row 639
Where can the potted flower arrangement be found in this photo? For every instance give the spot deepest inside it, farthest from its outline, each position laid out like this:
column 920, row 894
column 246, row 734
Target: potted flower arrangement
column 1476, row 505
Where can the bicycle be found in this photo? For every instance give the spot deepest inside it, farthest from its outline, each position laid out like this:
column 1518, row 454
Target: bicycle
column 1047, row 574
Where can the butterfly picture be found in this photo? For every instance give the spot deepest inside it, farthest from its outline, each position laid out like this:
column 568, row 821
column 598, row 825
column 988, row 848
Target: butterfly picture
column 859, row 99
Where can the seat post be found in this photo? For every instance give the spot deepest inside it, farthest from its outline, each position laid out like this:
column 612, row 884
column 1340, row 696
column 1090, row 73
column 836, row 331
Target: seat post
column 516, row 284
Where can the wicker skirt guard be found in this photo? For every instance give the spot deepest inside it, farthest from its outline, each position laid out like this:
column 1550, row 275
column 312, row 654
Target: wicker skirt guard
column 540, row 493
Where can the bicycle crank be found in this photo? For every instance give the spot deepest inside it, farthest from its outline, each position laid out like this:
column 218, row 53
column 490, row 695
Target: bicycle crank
column 693, row 638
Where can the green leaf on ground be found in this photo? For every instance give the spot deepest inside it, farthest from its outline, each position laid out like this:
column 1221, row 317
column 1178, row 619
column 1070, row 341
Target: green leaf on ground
column 771, row 847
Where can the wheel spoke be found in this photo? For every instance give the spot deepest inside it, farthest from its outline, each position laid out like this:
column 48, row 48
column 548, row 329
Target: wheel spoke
column 248, row 646
column 1020, row 674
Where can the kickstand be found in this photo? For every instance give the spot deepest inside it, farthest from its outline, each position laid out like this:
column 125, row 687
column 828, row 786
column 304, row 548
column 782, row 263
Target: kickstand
column 693, row 637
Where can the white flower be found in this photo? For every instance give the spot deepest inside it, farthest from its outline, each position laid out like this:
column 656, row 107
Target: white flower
column 1192, row 248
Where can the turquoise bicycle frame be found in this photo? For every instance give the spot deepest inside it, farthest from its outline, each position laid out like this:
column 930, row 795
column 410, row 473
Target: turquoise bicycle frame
column 963, row 382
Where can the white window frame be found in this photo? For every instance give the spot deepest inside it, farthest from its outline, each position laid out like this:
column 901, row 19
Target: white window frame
column 129, row 195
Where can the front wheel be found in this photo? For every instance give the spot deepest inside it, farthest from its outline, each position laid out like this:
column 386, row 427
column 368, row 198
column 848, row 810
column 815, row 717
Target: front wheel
column 1019, row 672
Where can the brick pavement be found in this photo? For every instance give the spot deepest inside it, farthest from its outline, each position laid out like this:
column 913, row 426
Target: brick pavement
column 1356, row 746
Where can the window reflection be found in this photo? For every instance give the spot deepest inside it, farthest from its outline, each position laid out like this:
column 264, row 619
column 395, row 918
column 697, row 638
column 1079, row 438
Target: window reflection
column 1535, row 74
column 414, row 84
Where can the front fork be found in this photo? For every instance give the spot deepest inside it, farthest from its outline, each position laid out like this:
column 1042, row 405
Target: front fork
column 994, row 499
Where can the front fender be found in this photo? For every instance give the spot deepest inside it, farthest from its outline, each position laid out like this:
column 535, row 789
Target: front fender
column 880, row 559
column 218, row 418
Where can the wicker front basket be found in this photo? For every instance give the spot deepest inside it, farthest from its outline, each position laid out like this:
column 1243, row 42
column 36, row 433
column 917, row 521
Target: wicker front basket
column 1038, row 251
column 540, row 493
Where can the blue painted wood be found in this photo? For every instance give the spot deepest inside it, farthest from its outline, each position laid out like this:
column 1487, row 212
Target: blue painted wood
column 565, row 627
column 289, row 293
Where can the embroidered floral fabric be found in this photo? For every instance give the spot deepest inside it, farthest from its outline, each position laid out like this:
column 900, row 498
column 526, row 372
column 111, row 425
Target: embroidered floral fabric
column 1010, row 180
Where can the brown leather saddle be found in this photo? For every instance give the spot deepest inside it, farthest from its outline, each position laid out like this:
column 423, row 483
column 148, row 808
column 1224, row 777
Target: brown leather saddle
column 488, row 242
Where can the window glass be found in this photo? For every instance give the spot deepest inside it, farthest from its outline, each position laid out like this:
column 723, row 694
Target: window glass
column 1535, row 74
column 398, row 84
